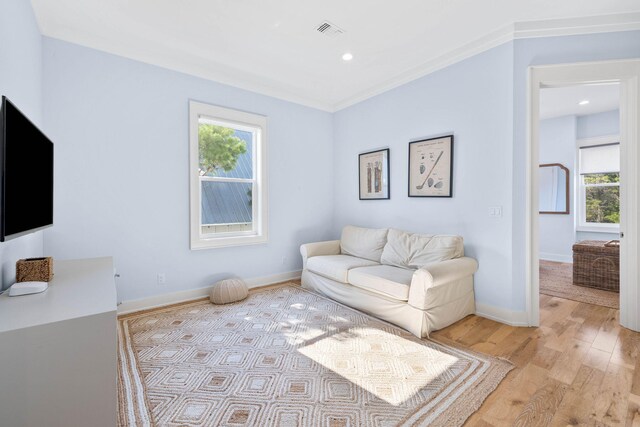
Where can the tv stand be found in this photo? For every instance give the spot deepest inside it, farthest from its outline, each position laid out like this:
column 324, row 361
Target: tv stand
column 58, row 350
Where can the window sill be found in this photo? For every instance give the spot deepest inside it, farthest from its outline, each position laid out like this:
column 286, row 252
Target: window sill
column 221, row 242
column 596, row 229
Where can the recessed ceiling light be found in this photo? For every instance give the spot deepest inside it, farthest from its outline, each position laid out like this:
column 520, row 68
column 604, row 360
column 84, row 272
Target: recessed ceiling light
column 583, row 102
column 347, row 57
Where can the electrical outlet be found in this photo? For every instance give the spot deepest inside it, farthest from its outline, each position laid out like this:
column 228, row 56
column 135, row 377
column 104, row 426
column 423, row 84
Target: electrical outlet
column 162, row 279
column 284, row 260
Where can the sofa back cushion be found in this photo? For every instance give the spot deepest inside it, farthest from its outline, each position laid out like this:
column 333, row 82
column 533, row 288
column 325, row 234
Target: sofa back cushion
column 364, row 243
column 414, row 251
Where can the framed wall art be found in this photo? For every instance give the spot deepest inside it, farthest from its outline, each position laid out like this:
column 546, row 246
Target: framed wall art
column 373, row 171
column 431, row 167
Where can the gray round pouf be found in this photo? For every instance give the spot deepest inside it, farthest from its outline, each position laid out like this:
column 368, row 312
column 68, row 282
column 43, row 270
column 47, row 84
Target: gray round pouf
column 228, row 291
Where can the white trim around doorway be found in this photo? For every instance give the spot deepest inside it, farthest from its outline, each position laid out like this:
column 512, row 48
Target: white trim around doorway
column 627, row 73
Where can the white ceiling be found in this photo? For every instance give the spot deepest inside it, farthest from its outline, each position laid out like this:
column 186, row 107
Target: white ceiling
column 272, row 47
column 565, row 101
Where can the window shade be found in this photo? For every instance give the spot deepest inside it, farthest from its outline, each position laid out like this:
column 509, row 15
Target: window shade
column 600, row 159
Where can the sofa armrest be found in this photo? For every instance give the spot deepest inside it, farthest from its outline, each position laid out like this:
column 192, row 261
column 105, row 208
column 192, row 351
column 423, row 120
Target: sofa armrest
column 308, row 250
column 438, row 274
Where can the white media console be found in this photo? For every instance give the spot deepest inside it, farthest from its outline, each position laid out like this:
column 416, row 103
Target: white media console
column 58, row 350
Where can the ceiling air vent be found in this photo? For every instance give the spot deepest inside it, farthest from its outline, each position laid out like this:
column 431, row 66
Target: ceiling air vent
column 329, row 29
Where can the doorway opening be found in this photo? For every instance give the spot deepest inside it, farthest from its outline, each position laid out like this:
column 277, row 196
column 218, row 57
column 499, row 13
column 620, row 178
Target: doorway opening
column 593, row 190
column 579, row 195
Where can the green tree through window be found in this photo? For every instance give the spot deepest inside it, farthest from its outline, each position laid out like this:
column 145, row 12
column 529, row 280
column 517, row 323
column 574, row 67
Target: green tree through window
column 219, row 148
column 602, row 199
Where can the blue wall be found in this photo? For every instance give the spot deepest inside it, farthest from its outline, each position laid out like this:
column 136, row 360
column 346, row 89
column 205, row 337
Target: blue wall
column 482, row 100
column 558, row 145
column 600, row 124
column 120, row 128
column 122, row 181
column 21, row 82
column 471, row 99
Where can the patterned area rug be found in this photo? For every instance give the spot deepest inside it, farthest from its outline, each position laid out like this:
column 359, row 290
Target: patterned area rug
column 556, row 279
column 289, row 357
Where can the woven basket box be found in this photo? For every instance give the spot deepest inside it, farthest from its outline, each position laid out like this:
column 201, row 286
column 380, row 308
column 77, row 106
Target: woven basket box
column 34, row 270
column 596, row 265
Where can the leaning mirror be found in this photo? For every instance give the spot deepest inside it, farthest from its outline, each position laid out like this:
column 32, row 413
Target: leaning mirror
column 554, row 189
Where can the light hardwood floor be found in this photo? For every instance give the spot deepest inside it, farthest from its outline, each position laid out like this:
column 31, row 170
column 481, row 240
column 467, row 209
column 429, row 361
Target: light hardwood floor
column 580, row 367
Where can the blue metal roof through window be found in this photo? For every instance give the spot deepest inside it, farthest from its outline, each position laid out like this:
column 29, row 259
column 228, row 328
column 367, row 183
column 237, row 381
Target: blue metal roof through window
column 230, row 202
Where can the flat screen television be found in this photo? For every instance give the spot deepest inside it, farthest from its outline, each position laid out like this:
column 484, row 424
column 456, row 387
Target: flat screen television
column 26, row 159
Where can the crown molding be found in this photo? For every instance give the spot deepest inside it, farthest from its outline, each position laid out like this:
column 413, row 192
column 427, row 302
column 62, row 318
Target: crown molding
column 189, row 64
column 577, row 26
column 518, row 30
column 496, row 38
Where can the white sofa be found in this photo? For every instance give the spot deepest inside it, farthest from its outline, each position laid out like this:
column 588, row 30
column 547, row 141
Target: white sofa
column 419, row 282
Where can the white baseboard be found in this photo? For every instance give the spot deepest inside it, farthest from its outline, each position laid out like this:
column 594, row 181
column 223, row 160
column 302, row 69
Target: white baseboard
column 256, row 282
column 502, row 315
column 556, row 257
column 156, row 301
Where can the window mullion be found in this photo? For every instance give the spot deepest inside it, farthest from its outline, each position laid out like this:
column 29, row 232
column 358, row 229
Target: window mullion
column 225, row 179
column 609, row 184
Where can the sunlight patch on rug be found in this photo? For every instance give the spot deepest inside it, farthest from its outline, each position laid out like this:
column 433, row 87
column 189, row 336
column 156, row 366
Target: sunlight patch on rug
column 388, row 366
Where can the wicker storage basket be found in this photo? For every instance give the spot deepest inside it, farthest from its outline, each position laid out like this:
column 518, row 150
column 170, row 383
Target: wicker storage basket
column 596, row 265
column 34, row 269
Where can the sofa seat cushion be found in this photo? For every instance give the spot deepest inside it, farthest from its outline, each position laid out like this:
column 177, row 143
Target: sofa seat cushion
column 336, row 267
column 391, row 281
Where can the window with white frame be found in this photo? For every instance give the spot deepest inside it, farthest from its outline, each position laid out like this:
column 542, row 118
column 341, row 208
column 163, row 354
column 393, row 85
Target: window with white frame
column 228, row 176
column 599, row 184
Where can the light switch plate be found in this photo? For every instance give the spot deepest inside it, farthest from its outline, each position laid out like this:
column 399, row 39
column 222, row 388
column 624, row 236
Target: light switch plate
column 495, row 211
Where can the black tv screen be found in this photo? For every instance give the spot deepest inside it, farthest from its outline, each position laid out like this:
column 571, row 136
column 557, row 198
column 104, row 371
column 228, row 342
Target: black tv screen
column 27, row 175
